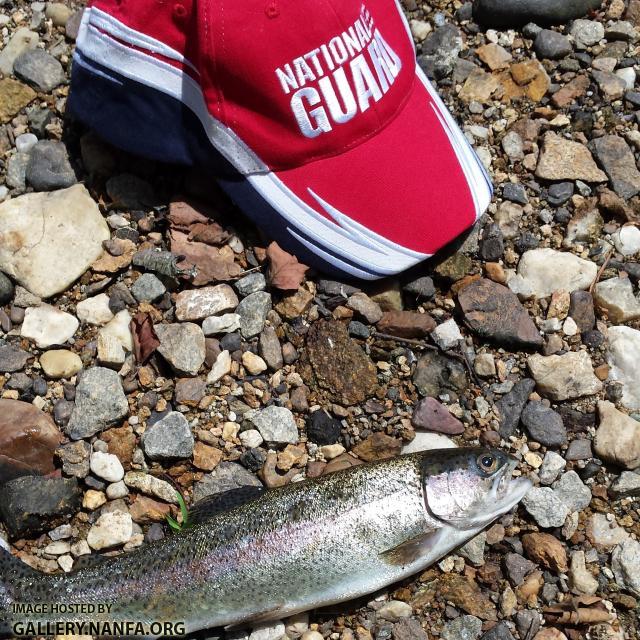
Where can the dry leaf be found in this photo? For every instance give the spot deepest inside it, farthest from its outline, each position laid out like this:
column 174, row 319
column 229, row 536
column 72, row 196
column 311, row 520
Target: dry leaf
column 285, row 272
column 592, row 611
column 145, row 340
column 211, row 233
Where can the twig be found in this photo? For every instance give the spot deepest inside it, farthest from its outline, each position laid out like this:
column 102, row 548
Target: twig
column 601, row 270
column 414, row 343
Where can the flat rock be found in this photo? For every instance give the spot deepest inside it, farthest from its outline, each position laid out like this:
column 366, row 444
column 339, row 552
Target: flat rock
column 226, row 476
column 182, row 346
column 151, row 486
column 503, row 13
column 168, row 438
column 628, row 484
column 564, row 377
column 111, row 529
column 616, row 298
column 39, row 69
column 572, row 491
column 95, row 310
column 378, row 446
column 425, row 441
column 100, row 403
column 623, row 357
column 406, row 324
column 617, row 159
column 28, row 439
column 198, row 304
column 562, row 159
column 22, row 40
column 431, row 415
column 586, row 33
column 60, row 363
column 552, row 45
column 494, row 312
column 546, row 507
column 546, row 550
column 253, row 312
column 47, row 325
column 276, row 425
column 511, row 404
column 544, row 425
column 618, row 437
column 436, row 375
column 148, row 288
column 40, row 227
column 14, row 96
column 547, row 270
column 12, row 358
column 49, row 167
column 625, row 563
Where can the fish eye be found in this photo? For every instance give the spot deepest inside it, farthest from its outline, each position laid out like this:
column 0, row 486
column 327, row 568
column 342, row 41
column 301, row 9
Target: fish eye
column 487, row 462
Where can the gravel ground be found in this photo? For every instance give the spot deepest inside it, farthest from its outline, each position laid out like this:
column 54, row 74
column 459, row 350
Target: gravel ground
column 126, row 374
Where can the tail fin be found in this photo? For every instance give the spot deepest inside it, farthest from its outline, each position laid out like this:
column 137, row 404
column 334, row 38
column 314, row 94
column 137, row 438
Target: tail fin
column 14, row 580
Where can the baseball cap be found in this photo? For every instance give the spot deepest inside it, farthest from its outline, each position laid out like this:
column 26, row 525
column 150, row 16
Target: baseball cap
column 311, row 114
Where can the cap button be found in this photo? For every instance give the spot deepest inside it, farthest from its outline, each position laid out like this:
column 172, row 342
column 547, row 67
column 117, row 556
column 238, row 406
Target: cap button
column 179, row 12
column 272, row 10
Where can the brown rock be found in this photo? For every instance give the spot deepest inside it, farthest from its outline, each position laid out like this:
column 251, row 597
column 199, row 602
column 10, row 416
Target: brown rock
column 290, row 307
column 494, row 56
column 190, row 391
column 406, row 324
column 431, row 415
column 532, row 79
column 550, row 634
column 546, row 550
column 108, row 263
column 378, row 446
column 145, row 510
column 570, row 92
column 463, row 592
column 528, row 591
column 479, row 87
column 633, row 12
column 336, row 365
column 121, row 442
column 343, row 461
column 14, row 96
column 28, row 440
column 205, row 457
column 562, row 159
column 494, row 312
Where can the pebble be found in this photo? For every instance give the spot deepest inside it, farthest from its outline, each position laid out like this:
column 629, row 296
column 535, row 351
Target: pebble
column 406, row 324
column 627, row 484
column 546, row 550
column 552, row 465
column 253, row 363
column 436, row 374
column 95, row 311
column 60, row 363
column 617, row 439
column 625, row 563
column 148, row 288
column 251, row 284
column 564, row 377
column 112, row 529
column 510, row 406
column 473, row 550
column 48, row 168
column 151, row 486
column 270, row 349
column 604, row 533
column 226, row 323
column 106, row 466
column 500, row 13
column 627, row 240
column 615, row 296
column 447, row 335
column 198, row 304
column 267, row 631
column 22, row 40
column 394, row 610
column 485, row 365
column 572, row 491
column 544, row 425
column 424, row 441
column 183, row 346
column 586, row 33
column 100, row 402
column 623, row 357
column 582, row 580
column 431, row 415
column 546, row 507
column 12, row 359
column 462, row 628
column 221, row 367
column 168, row 438
column 552, row 45
column 226, row 476
column 276, row 425
column 250, row 438
column 322, row 428
column 363, row 305
column 253, row 312
column 582, row 311
column 616, row 157
column 47, row 326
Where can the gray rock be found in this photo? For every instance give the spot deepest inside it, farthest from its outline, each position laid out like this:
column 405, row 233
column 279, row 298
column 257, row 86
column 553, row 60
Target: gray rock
column 251, row 284
column 510, row 406
column 409, row 629
column 462, row 628
column 75, row 457
column 21, row 40
column 148, row 288
column 168, row 438
column 39, row 69
column 473, row 550
column 572, row 491
column 517, row 567
column 183, row 346
column 270, row 348
column 17, row 171
column 544, row 425
column 546, row 507
column 616, row 157
column 551, row 467
column 12, row 358
column 625, row 563
column 528, row 623
column 422, row 287
column 552, row 45
column 441, row 50
column 586, row 33
column 436, row 375
column 33, row 504
column 49, row 167
column 500, row 632
column 253, row 313
column 226, row 476
column 502, row 13
column 100, row 403
column 628, row 484
column 275, row 424
column 579, row 449
column 6, row 289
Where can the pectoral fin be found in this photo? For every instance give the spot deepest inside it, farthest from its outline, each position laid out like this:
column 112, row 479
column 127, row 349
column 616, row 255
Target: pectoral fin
column 409, row 551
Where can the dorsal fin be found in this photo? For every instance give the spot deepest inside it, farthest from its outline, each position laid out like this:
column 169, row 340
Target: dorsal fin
column 224, row 501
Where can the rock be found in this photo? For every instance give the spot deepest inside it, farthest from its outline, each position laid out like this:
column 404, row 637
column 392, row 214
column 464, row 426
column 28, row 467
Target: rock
column 485, row 365
column 625, row 563
column 617, row 439
column 502, row 13
column 615, row 297
column 106, row 466
column 430, row 414
column 562, row 159
column 226, row 476
column 6, row 289
column 499, row 632
column 270, row 349
column 564, row 377
column 406, row 324
column 552, row 465
column 253, row 312
column 494, row 312
column 378, row 446
column 394, row 610
column 226, row 323
column 494, row 56
column 612, row 88
column 276, row 425
column 462, row 628
column 479, row 87
column 546, row 507
column 582, row 311
column 111, row 529
column 627, row 240
column 250, row 284
column 33, row 504
column 12, row 359
column 95, row 311
column 362, row 304
column 267, row 631
column 197, row 304
column 39, row 69
column 585, row 226
column 436, row 374
column 447, row 335
column 547, row 270
column 623, row 357
column 627, row 484
column 60, row 363
column 517, row 567
column 100, row 403
column 128, row 191
column 465, row 594
column 582, row 581
column 48, row 167
column 72, row 226
column 17, row 171
column 511, row 404
column 190, row 391
column 75, row 458
column 546, row 550
column 205, row 457
column 322, row 428
column 425, row 441
column 182, row 346
column 441, row 49
column 337, row 365
column 473, row 551
column 14, row 96
column 572, row 491
column 603, row 533
column 58, row 13
column 586, row 33
column 151, row 486
column 28, row 439
column 221, row 367
column 48, row 326
column 544, row 425
column 21, row 41
column 405, row 629
column 148, row 288
column 253, row 363
column 552, row 45
column 579, row 449
column 617, row 159
column 168, row 438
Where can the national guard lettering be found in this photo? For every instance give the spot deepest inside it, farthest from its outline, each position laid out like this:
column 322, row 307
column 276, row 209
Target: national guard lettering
column 337, row 80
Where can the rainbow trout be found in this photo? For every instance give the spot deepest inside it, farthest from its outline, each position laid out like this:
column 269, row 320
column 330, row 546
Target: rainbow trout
column 308, row 544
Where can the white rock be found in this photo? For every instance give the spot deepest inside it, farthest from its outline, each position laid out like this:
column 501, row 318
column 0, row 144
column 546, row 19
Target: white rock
column 106, row 466
column 275, row 424
column 197, row 304
column 46, row 325
column 110, row 351
column 624, row 361
column 628, row 76
column 251, row 438
column 268, row 631
column 95, row 310
column 66, row 563
column 117, row 490
column 625, row 563
column 618, row 437
column 552, row 465
column 425, row 441
column 582, row 581
column 420, row 29
column 615, row 297
column 447, row 335
column 225, row 323
column 110, row 530
column 547, row 270
column 57, row 548
column 151, row 486
column 546, row 507
column 221, row 367
column 119, row 330
column 564, row 377
column 569, row 327
column 25, row 142
column 627, row 240
column 394, row 610
column 50, row 238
